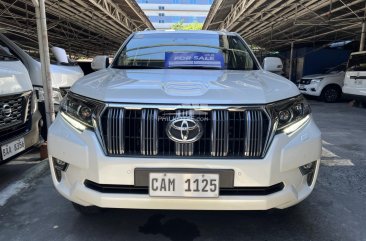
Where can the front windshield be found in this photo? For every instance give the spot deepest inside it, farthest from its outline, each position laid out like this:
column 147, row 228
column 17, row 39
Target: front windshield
column 185, row 50
column 357, row 62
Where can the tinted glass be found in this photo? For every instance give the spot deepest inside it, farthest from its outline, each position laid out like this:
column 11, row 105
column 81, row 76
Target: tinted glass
column 149, row 50
column 357, row 62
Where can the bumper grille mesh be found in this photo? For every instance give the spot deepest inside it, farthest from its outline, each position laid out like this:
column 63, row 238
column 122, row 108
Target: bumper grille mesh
column 15, row 120
column 14, row 110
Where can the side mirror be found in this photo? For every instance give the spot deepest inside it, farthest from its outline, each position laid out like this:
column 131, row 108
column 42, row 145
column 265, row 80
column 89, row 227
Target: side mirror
column 100, row 62
column 60, row 54
column 273, row 64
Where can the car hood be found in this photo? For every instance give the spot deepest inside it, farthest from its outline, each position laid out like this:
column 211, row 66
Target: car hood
column 14, row 78
column 65, row 76
column 184, row 86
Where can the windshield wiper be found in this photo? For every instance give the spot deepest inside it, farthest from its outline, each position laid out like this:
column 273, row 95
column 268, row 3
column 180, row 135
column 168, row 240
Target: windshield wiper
column 193, row 67
column 135, row 67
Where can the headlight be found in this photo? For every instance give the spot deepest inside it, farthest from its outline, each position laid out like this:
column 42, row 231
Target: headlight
column 289, row 115
column 316, row 81
column 80, row 111
column 56, row 95
column 34, row 104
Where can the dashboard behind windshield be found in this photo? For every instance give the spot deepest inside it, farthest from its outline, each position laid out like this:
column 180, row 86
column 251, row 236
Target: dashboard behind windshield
column 185, row 50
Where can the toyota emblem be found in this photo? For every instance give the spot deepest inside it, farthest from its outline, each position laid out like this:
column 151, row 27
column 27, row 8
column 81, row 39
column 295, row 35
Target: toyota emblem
column 6, row 110
column 184, row 130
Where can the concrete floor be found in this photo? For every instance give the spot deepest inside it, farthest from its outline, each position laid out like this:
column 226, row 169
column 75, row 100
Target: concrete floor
column 335, row 211
column 13, row 170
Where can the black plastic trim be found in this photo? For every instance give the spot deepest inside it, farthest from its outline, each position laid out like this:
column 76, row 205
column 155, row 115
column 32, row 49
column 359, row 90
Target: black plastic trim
column 235, row 191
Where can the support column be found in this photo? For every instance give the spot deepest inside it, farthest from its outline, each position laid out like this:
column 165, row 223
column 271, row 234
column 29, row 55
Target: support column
column 44, row 53
column 363, row 35
column 291, row 60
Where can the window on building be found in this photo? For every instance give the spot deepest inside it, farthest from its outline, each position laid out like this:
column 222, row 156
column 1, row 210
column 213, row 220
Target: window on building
column 161, row 14
column 161, row 7
column 161, row 21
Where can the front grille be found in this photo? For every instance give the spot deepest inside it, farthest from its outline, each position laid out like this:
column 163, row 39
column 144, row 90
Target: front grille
column 14, row 110
column 233, row 191
column 236, row 133
column 305, row 81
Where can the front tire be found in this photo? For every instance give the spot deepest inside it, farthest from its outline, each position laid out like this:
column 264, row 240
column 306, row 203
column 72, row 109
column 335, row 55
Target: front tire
column 331, row 94
column 87, row 210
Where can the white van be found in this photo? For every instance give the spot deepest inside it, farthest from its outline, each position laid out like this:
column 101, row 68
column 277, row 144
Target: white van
column 63, row 76
column 19, row 116
column 355, row 79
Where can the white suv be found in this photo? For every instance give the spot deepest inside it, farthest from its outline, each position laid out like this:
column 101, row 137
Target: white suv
column 184, row 120
column 327, row 86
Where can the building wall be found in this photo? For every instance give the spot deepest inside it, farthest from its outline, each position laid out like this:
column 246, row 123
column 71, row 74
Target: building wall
column 164, row 13
column 308, row 61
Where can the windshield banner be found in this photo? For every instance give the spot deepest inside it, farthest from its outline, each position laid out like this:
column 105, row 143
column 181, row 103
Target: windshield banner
column 211, row 60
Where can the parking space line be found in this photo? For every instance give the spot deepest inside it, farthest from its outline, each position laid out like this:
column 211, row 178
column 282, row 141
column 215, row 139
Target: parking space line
column 14, row 188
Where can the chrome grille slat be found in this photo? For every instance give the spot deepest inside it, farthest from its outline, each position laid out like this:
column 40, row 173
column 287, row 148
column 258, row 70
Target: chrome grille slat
column 241, row 133
column 149, row 129
column 115, row 131
column 219, row 133
column 120, row 133
column 184, row 149
column 260, row 134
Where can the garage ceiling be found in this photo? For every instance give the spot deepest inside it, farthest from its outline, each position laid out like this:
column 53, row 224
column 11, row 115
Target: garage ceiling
column 82, row 27
column 275, row 24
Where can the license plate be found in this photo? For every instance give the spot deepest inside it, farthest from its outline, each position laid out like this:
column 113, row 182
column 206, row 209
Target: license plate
column 12, row 148
column 183, row 185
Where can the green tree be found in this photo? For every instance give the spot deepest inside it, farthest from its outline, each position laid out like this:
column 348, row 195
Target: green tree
column 178, row 26
column 192, row 26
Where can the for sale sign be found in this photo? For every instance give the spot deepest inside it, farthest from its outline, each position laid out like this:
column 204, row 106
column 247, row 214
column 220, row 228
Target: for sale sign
column 192, row 59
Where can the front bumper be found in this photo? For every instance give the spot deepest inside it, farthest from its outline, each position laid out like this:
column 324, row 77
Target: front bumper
column 310, row 89
column 87, row 161
column 31, row 138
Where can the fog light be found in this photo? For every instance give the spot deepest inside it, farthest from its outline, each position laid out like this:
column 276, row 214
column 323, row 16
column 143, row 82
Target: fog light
column 309, row 170
column 59, row 167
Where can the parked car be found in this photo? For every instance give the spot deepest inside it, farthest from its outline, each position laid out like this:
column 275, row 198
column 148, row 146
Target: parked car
column 19, row 116
column 355, row 79
column 184, row 120
column 63, row 75
column 327, row 86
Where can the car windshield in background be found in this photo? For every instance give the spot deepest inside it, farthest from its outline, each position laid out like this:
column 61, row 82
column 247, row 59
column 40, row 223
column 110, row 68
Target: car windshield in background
column 357, row 62
column 185, row 50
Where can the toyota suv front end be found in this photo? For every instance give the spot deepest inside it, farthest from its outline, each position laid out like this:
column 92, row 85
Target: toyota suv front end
column 184, row 120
